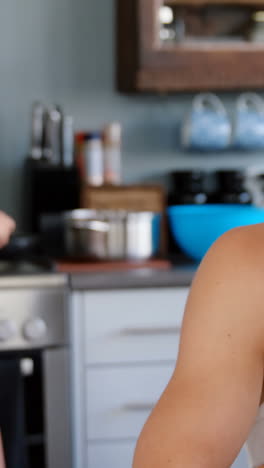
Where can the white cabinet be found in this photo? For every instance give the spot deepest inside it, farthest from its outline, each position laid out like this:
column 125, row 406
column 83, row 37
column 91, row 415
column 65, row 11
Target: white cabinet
column 120, row 455
column 110, row 454
column 125, row 345
column 242, row 460
column 133, row 326
column 120, row 399
column 124, row 349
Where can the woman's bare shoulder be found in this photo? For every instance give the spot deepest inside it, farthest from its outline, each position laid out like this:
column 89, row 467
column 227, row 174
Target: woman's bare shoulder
column 238, row 252
column 230, row 282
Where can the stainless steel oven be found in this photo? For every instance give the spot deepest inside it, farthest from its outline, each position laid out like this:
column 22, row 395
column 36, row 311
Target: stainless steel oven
column 34, row 371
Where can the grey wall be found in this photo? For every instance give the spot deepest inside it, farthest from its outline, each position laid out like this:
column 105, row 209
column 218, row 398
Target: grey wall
column 63, row 51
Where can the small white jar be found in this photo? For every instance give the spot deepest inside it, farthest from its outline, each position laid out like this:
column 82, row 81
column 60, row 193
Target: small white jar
column 94, row 159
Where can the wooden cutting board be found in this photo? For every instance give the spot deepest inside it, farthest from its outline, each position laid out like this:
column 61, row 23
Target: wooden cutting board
column 64, row 266
column 124, row 197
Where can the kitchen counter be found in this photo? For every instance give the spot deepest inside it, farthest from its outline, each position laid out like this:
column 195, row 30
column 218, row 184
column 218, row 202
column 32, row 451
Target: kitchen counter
column 177, row 275
column 45, row 280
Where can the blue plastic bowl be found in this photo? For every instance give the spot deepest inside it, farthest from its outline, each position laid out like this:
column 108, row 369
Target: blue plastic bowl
column 196, row 227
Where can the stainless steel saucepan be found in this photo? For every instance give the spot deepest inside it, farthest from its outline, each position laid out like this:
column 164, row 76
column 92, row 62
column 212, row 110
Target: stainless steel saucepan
column 112, row 235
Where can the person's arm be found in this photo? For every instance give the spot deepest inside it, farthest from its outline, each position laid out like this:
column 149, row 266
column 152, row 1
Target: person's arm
column 7, row 227
column 2, row 456
column 206, row 412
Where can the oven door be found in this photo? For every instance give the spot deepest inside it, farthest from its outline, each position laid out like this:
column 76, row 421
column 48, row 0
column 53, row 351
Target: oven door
column 57, row 414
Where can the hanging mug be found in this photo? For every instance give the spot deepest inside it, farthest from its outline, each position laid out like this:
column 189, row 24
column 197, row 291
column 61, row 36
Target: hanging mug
column 248, row 130
column 207, row 127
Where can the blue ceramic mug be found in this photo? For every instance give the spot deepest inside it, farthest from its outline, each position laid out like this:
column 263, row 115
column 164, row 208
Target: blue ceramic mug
column 248, row 132
column 207, row 127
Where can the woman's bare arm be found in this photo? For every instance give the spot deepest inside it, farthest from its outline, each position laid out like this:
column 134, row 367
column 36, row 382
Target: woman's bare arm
column 206, row 412
column 7, row 227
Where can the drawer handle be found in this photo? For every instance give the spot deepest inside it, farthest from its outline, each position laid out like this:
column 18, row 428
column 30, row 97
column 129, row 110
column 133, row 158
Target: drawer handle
column 151, row 331
column 137, row 407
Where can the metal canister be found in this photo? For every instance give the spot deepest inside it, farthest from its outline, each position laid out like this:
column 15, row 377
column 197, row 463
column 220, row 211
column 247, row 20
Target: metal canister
column 112, row 235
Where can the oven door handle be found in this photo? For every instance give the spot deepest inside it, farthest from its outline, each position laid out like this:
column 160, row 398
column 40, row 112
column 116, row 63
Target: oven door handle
column 57, row 407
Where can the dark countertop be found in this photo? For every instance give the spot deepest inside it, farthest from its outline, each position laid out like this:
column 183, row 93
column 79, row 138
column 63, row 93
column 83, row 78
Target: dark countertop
column 178, row 275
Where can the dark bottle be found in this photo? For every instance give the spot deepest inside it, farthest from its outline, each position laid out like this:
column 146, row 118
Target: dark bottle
column 188, row 188
column 231, row 188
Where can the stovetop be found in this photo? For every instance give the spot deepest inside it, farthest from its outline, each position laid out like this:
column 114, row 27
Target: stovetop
column 30, row 266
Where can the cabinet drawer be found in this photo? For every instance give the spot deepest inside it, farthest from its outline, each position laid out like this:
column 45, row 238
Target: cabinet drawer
column 120, row 455
column 242, row 461
column 130, row 326
column 110, row 455
column 119, row 400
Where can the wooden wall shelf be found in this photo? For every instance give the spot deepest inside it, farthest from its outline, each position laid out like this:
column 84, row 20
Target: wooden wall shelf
column 146, row 65
column 216, row 2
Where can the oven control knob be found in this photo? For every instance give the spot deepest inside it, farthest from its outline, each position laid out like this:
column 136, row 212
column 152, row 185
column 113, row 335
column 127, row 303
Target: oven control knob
column 8, row 329
column 35, row 329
